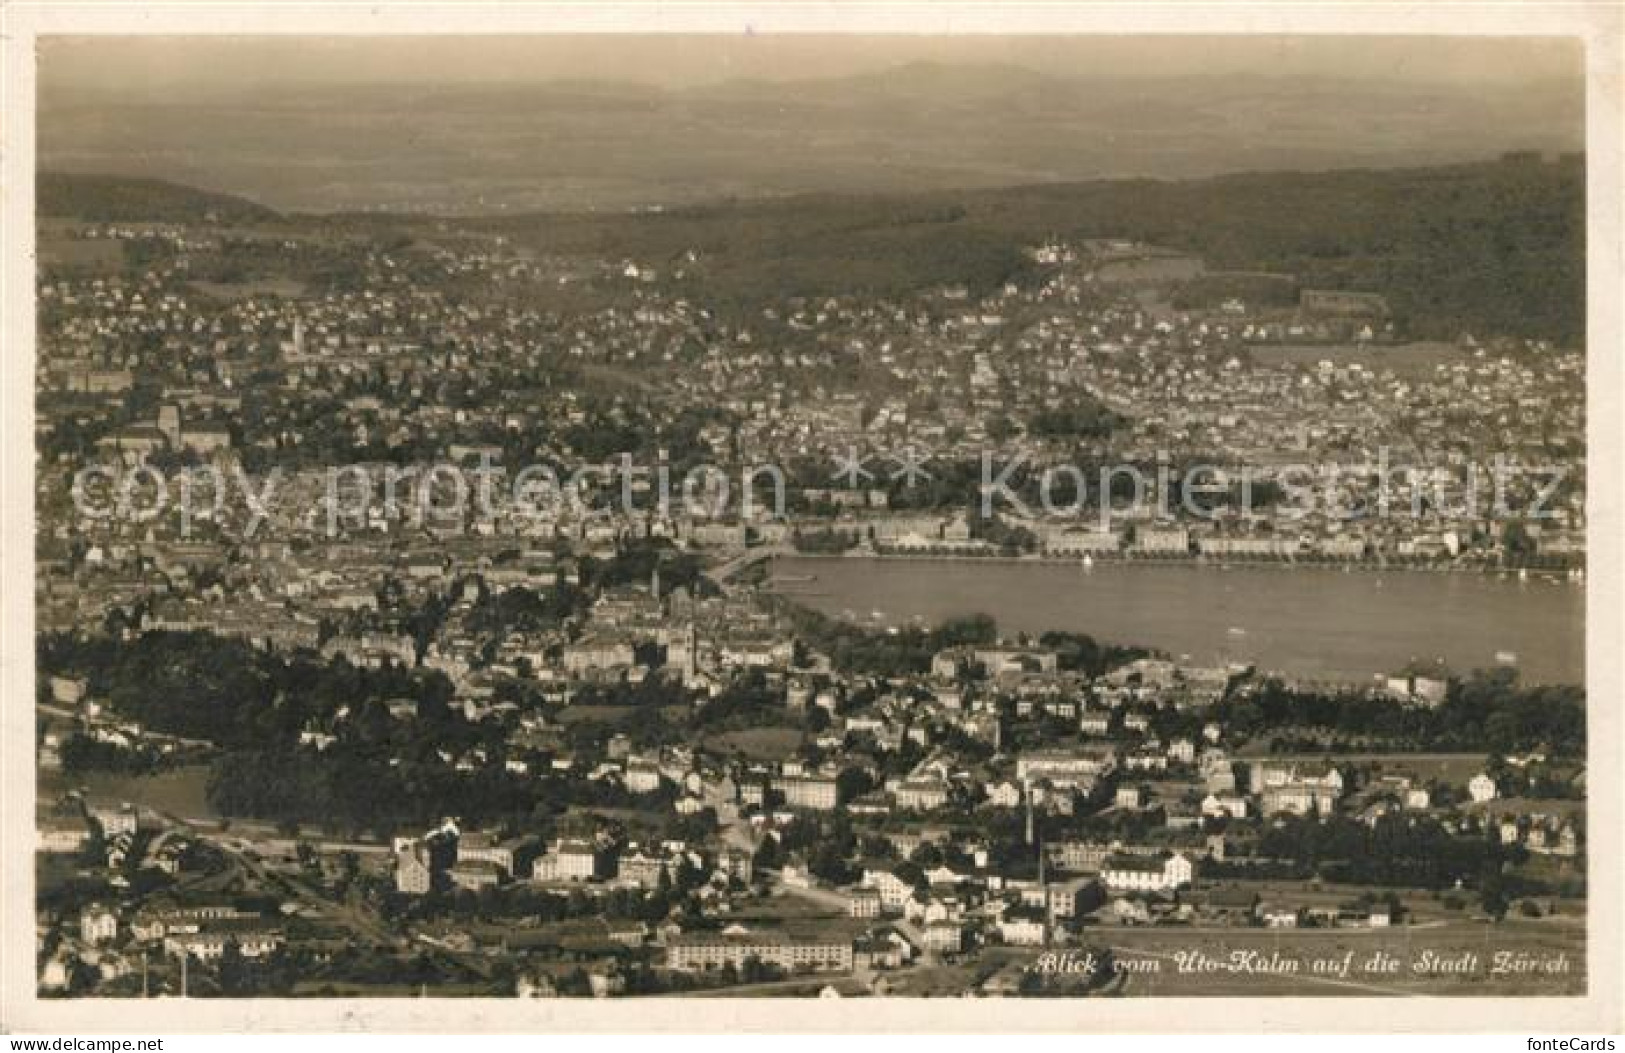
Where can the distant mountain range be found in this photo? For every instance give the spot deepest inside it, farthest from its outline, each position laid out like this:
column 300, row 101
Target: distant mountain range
column 580, row 145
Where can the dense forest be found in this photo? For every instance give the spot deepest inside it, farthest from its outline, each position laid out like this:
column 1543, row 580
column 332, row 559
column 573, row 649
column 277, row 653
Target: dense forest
column 197, row 685
column 120, row 199
column 1487, row 710
column 1492, row 248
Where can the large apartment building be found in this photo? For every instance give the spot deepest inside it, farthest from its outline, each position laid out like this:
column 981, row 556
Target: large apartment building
column 697, row 952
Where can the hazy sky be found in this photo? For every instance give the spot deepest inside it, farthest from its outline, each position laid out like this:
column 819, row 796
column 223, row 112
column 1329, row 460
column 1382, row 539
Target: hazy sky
column 164, row 66
column 325, row 123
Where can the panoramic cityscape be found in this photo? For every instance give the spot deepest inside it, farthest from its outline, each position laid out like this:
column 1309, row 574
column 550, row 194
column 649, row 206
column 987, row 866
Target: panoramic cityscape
column 909, row 519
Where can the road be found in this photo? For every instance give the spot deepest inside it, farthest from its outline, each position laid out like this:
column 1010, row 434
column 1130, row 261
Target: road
column 353, row 917
column 837, row 903
column 350, row 916
column 725, row 571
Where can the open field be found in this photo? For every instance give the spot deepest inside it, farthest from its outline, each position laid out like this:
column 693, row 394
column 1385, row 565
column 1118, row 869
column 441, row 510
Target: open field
column 57, row 250
column 588, row 714
column 1151, row 269
column 771, row 743
column 788, row 905
column 181, row 791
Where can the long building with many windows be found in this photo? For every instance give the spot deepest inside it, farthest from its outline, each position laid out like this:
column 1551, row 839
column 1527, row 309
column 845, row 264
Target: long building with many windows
column 697, row 952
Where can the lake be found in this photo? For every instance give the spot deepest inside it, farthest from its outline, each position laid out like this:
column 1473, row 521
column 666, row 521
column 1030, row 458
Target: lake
column 1318, row 623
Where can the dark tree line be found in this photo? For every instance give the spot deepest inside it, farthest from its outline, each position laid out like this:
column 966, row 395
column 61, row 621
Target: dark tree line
column 1487, row 711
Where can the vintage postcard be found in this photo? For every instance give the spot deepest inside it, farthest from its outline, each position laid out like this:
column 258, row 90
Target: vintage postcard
column 1067, row 512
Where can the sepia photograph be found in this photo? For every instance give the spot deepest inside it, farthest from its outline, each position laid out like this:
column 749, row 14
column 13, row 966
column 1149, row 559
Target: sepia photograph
column 1100, row 519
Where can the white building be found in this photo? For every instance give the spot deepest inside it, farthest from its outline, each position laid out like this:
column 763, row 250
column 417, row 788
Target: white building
column 1147, row 873
column 98, row 924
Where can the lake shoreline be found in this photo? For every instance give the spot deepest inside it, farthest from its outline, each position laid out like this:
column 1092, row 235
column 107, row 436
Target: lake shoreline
column 1362, row 566
column 1301, row 622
